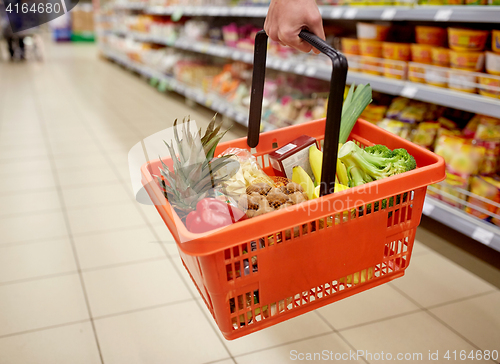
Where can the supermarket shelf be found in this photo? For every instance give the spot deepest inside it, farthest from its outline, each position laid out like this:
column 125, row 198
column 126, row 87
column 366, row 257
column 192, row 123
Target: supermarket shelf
column 479, row 230
column 214, row 102
column 476, row 14
column 437, row 95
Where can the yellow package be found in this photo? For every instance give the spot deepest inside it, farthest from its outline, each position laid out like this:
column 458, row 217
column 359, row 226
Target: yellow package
column 485, row 187
column 396, row 127
column 425, row 134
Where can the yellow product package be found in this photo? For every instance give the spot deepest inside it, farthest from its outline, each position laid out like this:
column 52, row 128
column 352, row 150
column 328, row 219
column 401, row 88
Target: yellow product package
column 485, row 187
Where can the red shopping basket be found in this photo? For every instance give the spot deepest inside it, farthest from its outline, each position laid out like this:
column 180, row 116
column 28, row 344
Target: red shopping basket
column 268, row 269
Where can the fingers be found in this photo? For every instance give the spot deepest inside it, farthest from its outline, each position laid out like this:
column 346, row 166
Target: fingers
column 291, row 38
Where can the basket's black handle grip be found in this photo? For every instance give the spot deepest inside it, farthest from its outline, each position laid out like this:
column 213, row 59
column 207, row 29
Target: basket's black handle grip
column 334, row 107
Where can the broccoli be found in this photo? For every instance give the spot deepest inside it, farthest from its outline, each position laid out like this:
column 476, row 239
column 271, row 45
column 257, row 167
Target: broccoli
column 374, row 163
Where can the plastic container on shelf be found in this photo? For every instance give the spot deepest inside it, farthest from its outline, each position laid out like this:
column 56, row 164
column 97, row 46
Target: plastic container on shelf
column 495, row 41
column 493, row 63
column 370, row 31
column 416, row 72
column 436, row 76
column 396, row 51
column 370, row 48
column 469, row 61
column 434, row 36
column 354, row 62
column 489, row 86
column 395, row 69
column 467, row 39
column 350, row 46
column 314, row 253
column 421, row 53
column 465, row 81
column 440, row 56
column 371, row 65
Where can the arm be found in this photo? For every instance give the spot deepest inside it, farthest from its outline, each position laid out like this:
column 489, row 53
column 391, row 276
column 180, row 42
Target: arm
column 286, row 18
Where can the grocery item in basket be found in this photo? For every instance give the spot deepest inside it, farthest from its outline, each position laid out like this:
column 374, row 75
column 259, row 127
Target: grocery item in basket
column 211, row 214
column 350, row 46
column 465, row 81
column 290, row 155
column 425, row 134
column 489, row 86
column 493, row 63
column 370, row 48
column 467, row 39
column 470, row 61
column 416, row 72
column 396, row 51
column 192, row 177
column 485, row 187
column 372, row 31
column 495, row 41
column 421, row 53
column 374, row 163
column 434, row 36
column 261, row 198
column 249, row 172
column 440, row 56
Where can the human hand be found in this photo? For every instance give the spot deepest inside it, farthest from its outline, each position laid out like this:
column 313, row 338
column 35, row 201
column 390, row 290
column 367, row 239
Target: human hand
column 286, row 18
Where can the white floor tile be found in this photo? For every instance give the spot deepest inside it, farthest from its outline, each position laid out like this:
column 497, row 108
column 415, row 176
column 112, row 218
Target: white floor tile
column 416, row 333
column 23, row 261
column 40, row 226
column 431, row 279
column 41, row 303
column 73, row 344
column 29, row 202
column 177, row 333
column 384, row 300
column 117, row 247
column 86, row 177
column 477, row 319
column 19, row 168
column 296, row 329
column 108, row 194
column 80, row 161
column 26, row 182
column 315, row 350
column 104, row 218
column 135, row 286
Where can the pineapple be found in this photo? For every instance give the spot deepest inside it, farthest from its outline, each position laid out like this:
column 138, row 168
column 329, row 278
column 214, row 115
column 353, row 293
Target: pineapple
column 193, row 175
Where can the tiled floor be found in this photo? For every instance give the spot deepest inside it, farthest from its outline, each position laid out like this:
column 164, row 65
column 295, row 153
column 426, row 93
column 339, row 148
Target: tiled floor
column 87, row 275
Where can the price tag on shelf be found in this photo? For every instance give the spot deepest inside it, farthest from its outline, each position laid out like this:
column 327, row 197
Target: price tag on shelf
column 224, row 11
column 427, row 209
column 300, row 69
column 409, row 91
column 208, row 102
column 482, row 235
column 388, row 14
column 153, row 81
column 236, row 55
column 285, row 66
column 162, row 86
column 336, row 13
column 350, row 13
column 177, row 14
column 443, row 15
column 310, row 71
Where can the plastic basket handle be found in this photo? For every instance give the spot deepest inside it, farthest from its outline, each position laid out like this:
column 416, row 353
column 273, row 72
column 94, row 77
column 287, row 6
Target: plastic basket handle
column 334, row 106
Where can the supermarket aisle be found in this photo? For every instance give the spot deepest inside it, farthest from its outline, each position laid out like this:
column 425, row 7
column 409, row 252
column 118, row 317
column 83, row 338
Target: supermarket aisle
column 87, row 275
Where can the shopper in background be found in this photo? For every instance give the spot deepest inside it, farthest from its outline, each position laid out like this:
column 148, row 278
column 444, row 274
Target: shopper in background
column 13, row 40
column 286, row 18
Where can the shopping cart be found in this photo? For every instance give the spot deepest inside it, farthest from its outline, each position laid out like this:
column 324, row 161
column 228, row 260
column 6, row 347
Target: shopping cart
column 268, row 269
